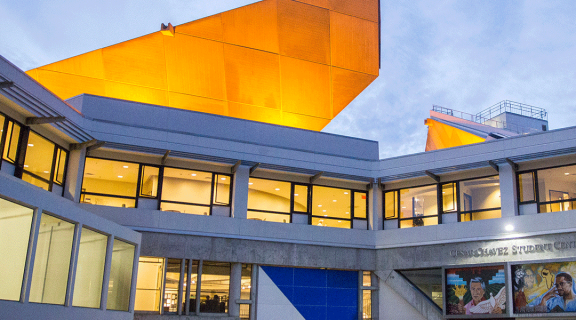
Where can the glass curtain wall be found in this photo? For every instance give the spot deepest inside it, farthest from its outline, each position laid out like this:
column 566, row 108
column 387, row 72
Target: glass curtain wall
column 149, row 284
column 15, row 224
column 172, row 285
column 215, row 287
column 52, row 261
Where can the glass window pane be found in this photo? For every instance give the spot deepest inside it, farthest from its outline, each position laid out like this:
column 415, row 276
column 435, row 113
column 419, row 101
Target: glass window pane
column 483, row 215
column 120, row 276
column 418, row 222
column 359, row 204
column 526, row 186
column 39, row 156
column 149, row 181
column 187, row 186
column 149, row 284
column 479, row 194
column 366, row 278
column 266, row 216
column 215, row 286
column 331, row 202
column 558, row 206
column 557, row 184
column 110, row 177
column 90, row 269
column 418, row 202
column 14, row 236
column 185, row 208
column 449, row 197
column 52, row 261
column 222, row 190
column 325, row 222
column 246, row 282
column 35, row 181
column 391, row 205
column 244, row 311
column 108, row 201
column 193, row 285
column 367, row 304
column 269, row 195
column 11, row 143
column 300, row 198
column 172, row 285
column 62, row 157
column 429, row 281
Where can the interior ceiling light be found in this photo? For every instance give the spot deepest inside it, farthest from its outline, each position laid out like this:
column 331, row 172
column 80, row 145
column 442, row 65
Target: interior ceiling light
column 250, row 183
column 30, row 145
column 277, row 189
column 120, row 177
column 567, row 173
column 345, row 192
column 319, row 206
column 125, row 167
column 223, row 178
column 295, row 194
column 509, row 227
column 333, row 200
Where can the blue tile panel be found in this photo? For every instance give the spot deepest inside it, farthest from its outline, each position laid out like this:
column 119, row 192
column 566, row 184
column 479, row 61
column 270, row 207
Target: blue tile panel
column 318, row 294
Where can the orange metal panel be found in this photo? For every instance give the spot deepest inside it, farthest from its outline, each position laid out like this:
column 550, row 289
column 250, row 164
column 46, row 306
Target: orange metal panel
column 195, row 66
column 304, row 31
column 139, row 61
column 67, row 86
column 188, row 102
column 305, row 87
column 354, row 43
column 365, row 9
column 253, row 26
column 318, row 3
column 33, row 74
column 252, row 76
column 254, row 113
column 209, row 28
column 442, row 136
column 347, row 85
column 124, row 91
column 303, row 122
column 89, row 64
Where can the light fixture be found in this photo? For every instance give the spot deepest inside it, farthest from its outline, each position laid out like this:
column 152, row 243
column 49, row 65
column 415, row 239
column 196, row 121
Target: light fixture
column 319, row 206
column 295, row 194
column 339, row 221
column 46, row 171
column 125, row 167
column 120, row 177
column 334, row 200
column 323, row 210
column 509, row 227
column 193, row 174
column 25, row 166
column 345, row 192
column 347, row 212
column 250, row 183
column 403, row 207
column 30, row 145
column 567, row 173
column 496, row 184
column 277, row 189
column 222, row 178
column 325, row 215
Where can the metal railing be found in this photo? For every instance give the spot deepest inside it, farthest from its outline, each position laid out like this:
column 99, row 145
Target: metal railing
column 504, row 106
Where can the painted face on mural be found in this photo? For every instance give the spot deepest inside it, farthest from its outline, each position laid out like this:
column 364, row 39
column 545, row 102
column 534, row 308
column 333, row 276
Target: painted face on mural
column 476, row 291
column 563, row 286
column 529, row 278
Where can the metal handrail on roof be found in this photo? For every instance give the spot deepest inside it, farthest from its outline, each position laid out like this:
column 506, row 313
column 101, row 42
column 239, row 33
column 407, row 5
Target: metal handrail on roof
column 516, row 108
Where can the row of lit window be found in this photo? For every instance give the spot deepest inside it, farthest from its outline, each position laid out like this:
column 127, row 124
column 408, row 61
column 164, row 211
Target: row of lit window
column 36, row 159
column 52, row 260
column 550, row 190
column 170, row 286
column 466, row 200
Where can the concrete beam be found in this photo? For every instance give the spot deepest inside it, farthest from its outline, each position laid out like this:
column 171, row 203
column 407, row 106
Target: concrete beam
column 6, row 84
column 82, row 145
column 512, row 164
column 254, row 167
column 165, row 157
column 235, row 166
column 43, row 120
column 494, row 165
column 433, row 176
column 316, row 177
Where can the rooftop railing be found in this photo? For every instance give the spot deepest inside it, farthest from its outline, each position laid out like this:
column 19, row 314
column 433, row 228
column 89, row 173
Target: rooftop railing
column 485, row 117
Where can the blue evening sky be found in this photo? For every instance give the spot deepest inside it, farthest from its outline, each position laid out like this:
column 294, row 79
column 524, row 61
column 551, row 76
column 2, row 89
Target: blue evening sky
column 461, row 54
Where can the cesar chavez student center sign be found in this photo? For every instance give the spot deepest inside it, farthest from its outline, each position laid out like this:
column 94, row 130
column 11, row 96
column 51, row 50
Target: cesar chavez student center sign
column 514, row 249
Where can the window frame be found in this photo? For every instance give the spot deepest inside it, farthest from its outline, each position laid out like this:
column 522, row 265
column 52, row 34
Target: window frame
column 158, row 196
column 3, row 142
column 310, row 196
column 537, row 189
column 459, row 211
column 398, row 211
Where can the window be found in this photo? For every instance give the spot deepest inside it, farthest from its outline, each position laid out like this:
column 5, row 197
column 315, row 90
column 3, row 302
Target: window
column 215, row 287
column 90, row 269
column 428, row 282
column 195, row 192
column 16, row 221
column 52, row 261
column 110, row 183
column 10, row 138
column 120, row 276
column 44, row 163
column 555, row 188
column 332, row 207
column 369, row 291
column 245, row 290
column 270, row 200
column 413, row 207
column 149, row 284
column 479, row 199
column 172, row 289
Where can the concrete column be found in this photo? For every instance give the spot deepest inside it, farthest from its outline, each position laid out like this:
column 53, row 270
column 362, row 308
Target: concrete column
column 74, row 173
column 240, row 193
column 508, row 190
column 235, row 289
column 375, row 207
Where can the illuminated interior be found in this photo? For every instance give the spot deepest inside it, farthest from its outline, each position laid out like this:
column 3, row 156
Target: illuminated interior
column 149, row 284
column 478, row 196
column 287, row 62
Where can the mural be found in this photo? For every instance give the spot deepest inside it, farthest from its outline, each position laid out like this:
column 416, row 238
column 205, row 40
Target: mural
column 476, row 290
column 544, row 287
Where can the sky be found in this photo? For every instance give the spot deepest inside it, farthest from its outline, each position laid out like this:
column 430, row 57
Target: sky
column 461, row 54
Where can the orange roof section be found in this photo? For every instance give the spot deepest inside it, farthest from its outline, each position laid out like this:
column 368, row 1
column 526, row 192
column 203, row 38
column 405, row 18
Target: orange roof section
column 441, row 135
column 286, row 62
